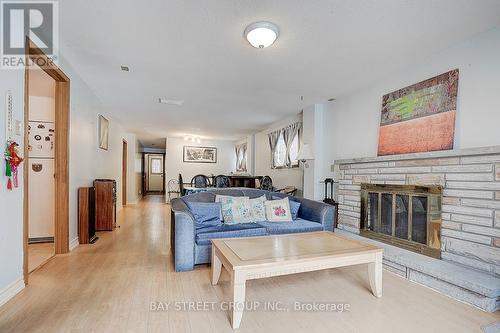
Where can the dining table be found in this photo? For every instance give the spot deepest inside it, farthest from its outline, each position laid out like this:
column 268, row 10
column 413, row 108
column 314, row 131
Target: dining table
column 194, row 189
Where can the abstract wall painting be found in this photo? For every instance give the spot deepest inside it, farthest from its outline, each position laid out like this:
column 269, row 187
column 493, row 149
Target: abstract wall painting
column 420, row 117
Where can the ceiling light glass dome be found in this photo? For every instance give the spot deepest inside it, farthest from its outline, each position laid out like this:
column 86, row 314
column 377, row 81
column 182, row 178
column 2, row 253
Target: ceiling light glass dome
column 261, row 34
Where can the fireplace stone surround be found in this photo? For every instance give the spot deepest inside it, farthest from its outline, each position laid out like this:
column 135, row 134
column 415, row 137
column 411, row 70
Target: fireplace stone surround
column 469, row 269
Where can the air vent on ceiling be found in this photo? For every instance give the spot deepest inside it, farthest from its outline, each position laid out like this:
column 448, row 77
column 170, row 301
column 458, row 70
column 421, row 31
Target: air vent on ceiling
column 170, row 101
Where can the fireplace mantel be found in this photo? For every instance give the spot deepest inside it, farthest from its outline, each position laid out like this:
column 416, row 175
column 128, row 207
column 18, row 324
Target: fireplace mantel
column 417, row 156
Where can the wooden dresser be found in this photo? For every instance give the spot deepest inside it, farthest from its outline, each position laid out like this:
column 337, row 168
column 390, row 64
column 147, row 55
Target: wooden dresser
column 105, row 204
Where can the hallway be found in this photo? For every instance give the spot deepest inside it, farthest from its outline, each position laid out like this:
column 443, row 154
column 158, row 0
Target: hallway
column 109, row 287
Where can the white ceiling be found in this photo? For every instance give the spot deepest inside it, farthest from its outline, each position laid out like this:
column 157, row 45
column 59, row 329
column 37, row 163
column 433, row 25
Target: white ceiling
column 195, row 51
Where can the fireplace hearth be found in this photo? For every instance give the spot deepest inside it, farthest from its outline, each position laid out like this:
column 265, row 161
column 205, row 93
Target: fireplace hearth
column 405, row 216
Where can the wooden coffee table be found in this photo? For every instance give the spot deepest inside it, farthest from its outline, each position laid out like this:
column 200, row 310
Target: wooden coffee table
column 261, row 257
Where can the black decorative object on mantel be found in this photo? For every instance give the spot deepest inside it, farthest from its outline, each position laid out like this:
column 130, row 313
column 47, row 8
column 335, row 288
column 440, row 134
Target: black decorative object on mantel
column 329, row 182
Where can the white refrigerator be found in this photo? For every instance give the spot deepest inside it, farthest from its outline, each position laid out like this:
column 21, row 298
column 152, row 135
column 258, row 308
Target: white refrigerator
column 41, row 180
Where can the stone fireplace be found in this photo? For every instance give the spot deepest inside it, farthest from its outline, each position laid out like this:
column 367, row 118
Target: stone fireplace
column 445, row 205
column 405, row 216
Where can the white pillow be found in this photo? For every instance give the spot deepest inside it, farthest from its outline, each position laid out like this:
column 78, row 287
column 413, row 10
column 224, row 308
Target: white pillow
column 235, row 209
column 258, row 208
column 278, row 210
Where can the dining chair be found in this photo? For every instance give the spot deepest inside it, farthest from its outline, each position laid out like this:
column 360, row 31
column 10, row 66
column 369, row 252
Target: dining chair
column 200, row 181
column 173, row 189
column 222, row 181
column 182, row 190
column 266, row 184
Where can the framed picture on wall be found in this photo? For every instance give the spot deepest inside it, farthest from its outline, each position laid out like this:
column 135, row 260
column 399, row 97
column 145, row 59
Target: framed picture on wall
column 421, row 117
column 200, row 154
column 103, row 132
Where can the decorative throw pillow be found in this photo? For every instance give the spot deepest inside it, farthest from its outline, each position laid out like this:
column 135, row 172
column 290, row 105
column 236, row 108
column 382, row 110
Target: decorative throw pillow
column 206, row 214
column 294, row 207
column 278, row 210
column 258, row 208
column 235, row 209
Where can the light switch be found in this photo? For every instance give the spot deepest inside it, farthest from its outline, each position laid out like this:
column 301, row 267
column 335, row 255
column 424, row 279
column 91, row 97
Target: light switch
column 18, row 127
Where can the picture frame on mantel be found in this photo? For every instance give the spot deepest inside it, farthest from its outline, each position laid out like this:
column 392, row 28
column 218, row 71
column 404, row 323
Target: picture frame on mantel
column 103, row 133
column 193, row 154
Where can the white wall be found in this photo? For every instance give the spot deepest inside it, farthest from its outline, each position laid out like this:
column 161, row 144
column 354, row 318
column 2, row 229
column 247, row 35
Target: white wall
column 11, row 202
column 352, row 122
column 87, row 161
column 226, row 159
column 280, row 177
column 134, row 191
column 313, row 134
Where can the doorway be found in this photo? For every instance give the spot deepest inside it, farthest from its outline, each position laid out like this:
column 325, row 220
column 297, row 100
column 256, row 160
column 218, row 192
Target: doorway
column 154, row 171
column 56, row 163
column 124, row 172
column 40, row 161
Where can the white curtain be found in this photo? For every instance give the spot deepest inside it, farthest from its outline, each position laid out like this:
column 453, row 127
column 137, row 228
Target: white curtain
column 237, row 148
column 273, row 142
column 241, row 157
column 289, row 134
column 244, row 158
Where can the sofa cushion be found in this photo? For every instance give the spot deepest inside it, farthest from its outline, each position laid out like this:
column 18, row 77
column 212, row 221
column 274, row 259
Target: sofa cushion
column 278, row 210
column 204, row 235
column 258, row 208
column 294, row 207
column 205, row 213
column 235, row 209
column 199, row 197
column 298, row 225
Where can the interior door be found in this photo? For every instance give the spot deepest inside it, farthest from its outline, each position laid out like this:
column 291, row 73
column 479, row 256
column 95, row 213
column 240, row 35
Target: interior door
column 155, row 173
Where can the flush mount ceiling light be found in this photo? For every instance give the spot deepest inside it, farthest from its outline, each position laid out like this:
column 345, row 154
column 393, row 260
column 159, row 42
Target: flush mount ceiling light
column 261, row 34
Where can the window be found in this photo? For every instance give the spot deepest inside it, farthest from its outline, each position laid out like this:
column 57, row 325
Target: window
column 156, row 166
column 241, row 157
column 280, row 154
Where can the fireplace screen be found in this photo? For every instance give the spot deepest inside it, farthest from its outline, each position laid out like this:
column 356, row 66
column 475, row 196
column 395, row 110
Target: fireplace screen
column 403, row 215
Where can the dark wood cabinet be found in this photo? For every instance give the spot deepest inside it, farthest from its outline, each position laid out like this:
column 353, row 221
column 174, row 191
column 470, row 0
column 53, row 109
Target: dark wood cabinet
column 244, row 181
column 105, row 204
column 86, row 215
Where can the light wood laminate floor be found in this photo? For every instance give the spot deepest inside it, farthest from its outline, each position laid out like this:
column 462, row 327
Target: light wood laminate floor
column 109, row 287
column 38, row 254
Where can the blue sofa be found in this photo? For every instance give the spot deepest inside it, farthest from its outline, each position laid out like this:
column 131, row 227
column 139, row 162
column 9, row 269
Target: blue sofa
column 191, row 246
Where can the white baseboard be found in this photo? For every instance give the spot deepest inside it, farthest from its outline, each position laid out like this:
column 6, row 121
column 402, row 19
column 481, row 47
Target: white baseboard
column 11, row 290
column 74, row 243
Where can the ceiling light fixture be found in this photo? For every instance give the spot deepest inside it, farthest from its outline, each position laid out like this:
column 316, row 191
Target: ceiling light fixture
column 170, row 101
column 192, row 138
column 261, row 34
